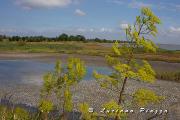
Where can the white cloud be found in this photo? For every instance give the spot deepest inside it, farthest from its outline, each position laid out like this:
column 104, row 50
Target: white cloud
column 169, row 6
column 105, row 30
column 124, row 26
column 139, row 4
column 94, row 30
column 80, row 12
column 173, row 29
column 29, row 4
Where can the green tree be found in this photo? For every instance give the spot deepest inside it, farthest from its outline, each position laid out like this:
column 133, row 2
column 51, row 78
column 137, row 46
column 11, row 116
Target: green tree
column 60, row 82
column 15, row 38
column 72, row 38
column 80, row 38
column 63, row 37
column 1, row 38
column 125, row 66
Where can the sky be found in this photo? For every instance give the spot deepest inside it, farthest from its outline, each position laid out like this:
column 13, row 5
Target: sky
column 91, row 18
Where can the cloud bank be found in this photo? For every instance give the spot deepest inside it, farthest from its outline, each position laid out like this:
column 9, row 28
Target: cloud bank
column 123, row 26
column 174, row 29
column 160, row 5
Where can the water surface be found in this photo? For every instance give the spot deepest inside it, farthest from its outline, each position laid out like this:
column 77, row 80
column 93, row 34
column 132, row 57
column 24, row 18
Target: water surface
column 16, row 72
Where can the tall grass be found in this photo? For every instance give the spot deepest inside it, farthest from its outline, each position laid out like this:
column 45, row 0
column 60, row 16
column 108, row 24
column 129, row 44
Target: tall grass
column 37, row 47
column 172, row 76
column 93, row 49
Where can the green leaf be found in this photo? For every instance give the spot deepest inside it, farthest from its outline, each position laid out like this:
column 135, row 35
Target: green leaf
column 115, row 48
column 45, row 106
column 58, row 67
column 85, row 114
column 68, row 105
column 143, row 97
column 146, row 73
column 21, row 114
column 112, row 109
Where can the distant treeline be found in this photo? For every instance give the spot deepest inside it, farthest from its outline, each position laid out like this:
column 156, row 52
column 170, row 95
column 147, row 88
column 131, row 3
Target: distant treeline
column 62, row 37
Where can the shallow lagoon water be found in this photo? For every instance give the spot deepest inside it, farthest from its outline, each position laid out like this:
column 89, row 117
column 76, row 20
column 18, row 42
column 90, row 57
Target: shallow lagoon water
column 18, row 72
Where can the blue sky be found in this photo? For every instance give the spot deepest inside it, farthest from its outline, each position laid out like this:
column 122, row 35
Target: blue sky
column 92, row 18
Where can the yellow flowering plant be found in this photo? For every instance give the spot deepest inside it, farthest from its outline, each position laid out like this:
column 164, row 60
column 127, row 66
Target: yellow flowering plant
column 124, row 65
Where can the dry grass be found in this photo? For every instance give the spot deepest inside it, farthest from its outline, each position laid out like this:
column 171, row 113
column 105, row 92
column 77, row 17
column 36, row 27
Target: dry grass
column 160, row 57
column 95, row 49
column 172, row 76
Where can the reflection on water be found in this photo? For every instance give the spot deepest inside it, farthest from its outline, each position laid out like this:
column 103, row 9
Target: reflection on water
column 31, row 71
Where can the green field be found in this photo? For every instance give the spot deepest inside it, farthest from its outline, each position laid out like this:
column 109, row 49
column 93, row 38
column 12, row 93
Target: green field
column 95, row 49
column 54, row 47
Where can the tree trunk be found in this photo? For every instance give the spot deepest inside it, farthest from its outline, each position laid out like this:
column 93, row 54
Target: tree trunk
column 122, row 90
column 63, row 116
column 121, row 93
column 45, row 116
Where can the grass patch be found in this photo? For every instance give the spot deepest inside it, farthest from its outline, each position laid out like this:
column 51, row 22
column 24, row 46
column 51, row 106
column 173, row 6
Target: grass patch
column 172, row 76
column 74, row 47
column 166, row 57
column 37, row 47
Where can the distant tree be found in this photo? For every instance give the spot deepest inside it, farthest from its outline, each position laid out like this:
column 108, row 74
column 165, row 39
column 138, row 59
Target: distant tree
column 1, row 38
column 5, row 37
column 72, row 38
column 106, row 41
column 97, row 40
column 114, row 41
column 15, row 38
column 23, row 38
column 53, row 39
column 125, row 66
column 80, row 38
column 63, row 37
